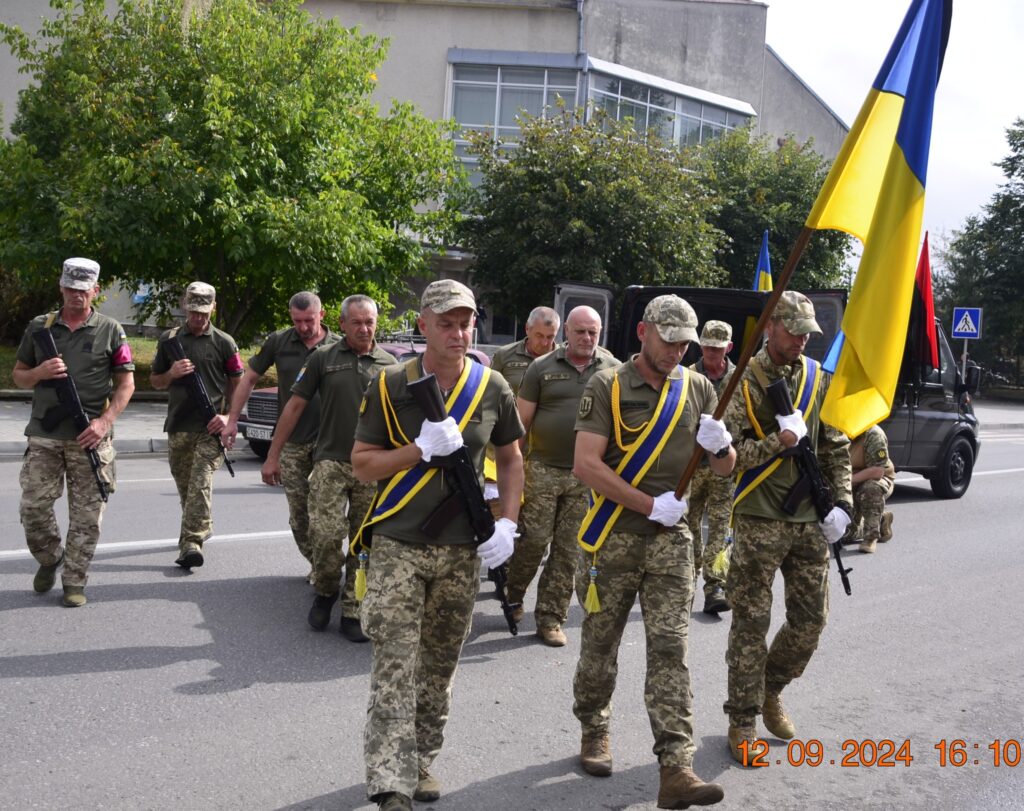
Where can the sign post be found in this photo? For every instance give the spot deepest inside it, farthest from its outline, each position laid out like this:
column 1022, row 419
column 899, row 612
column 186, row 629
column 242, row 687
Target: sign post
column 966, row 325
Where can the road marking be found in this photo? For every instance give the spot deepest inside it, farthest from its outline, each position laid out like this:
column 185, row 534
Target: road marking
column 142, row 481
column 112, row 545
column 913, row 477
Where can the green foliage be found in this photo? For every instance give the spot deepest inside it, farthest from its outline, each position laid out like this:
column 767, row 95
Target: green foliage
column 239, row 146
column 763, row 188
column 591, row 202
column 983, row 264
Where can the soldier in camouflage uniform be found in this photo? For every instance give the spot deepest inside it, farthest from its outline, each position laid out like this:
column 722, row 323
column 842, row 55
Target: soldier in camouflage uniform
column 874, row 478
column 193, row 443
column 420, row 590
column 644, row 549
column 94, row 352
column 710, row 494
column 555, row 500
column 336, row 375
column 287, row 350
column 512, row 360
column 766, row 539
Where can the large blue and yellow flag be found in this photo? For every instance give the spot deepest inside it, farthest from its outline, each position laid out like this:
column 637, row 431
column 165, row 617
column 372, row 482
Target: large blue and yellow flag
column 875, row 191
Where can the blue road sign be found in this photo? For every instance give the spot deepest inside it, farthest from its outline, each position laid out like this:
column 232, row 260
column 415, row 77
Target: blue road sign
column 967, row 322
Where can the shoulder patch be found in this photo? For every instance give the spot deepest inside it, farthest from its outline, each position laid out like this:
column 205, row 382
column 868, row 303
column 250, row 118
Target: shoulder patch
column 881, row 454
column 586, row 406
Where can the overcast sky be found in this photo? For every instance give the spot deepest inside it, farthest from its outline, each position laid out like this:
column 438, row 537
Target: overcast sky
column 837, row 47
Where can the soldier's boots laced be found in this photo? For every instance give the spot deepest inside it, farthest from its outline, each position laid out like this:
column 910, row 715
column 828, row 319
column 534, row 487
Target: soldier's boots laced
column 775, row 718
column 885, row 528
column 46, row 576
column 74, row 596
column 428, row 788
column 596, row 755
column 552, row 635
column 320, row 612
column 740, row 732
column 393, row 801
column 191, row 556
column 681, row 788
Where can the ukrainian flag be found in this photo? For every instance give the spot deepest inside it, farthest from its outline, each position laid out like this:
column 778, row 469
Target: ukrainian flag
column 763, row 274
column 875, row 191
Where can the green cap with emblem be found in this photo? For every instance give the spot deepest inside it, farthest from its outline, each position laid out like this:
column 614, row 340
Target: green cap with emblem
column 447, row 294
column 716, row 334
column 674, row 319
column 796, row 312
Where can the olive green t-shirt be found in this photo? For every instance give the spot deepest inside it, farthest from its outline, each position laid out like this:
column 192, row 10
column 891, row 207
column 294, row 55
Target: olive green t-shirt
column 339, row 377
column 637, row 403
column 495, row 420
column 512, row 361
column 554, row 384
column 215, row 356
column 92, row 353
column 871, row 449
column 287, row 351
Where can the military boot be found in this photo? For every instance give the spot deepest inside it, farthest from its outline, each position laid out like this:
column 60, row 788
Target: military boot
column 350, row 628
column 191, row 556
column 715, row 601
column 740, row 731
column 885, row 528
column 393, row 801
column 775, row 718
column 681, row 788
column 46, row 576
column 552, row 635
column 74, row 596
column 596, row 755
column 428, row 788
column 867, row 546
column 320, row 612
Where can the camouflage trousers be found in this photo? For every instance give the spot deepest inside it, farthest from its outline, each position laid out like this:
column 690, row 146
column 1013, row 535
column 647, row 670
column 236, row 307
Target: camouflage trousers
column 417, row 610
column 711, row 495
column 869, row 504
column 194, row 458
column 296, row 465
column 48, row 462
column 338, row 501
column 660, row 569
column 554, row 503
column 760, row 547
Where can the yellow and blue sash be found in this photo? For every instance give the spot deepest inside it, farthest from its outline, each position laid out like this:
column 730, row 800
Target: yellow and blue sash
column 805, row 397
column 603, row 512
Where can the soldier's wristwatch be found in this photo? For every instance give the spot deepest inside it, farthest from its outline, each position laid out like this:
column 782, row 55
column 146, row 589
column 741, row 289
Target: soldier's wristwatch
column 723, row 452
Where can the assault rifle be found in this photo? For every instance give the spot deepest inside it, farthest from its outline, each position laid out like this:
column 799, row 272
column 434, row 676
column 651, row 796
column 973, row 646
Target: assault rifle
column 198, row 394
column 467, row 496
column 811, row 482
column 68, row 405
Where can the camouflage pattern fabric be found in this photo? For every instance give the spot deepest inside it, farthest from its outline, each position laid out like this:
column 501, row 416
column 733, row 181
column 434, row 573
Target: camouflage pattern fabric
column 337, row 502
column 659, row 568
column 710, row 494
column 417, row 610
column 194, row 458
column 760, row 547
column 869, row 504
column 296, row 465
column 47, row 463
column 554, row 503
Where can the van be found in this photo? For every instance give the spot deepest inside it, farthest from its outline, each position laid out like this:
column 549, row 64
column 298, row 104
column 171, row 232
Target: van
column 932, row 429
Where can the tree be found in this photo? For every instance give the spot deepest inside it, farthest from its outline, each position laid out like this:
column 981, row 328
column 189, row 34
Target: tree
column 239, row 146
column 763, row 188
column 592, row 202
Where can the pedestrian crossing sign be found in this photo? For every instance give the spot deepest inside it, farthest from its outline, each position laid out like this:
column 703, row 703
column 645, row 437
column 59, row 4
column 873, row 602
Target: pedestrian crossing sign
column 967, row 322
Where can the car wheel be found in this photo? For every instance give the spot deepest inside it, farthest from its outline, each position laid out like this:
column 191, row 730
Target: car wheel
column 954, row 474
column 260, row 447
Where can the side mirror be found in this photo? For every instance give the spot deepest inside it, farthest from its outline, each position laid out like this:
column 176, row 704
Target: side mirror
column 973, row 382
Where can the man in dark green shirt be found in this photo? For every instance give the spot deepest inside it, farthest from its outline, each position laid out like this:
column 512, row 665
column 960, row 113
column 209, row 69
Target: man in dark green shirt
column 512, row 360
column 336, row 375
column 287, row 350
column 193, row 442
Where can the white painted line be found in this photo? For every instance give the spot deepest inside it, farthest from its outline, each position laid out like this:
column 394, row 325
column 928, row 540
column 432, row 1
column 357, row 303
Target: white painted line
column 103, row 546
column 912, row 477
column 142, row 481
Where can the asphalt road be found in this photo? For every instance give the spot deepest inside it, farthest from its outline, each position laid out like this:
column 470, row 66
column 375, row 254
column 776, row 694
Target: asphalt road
column 208, row 690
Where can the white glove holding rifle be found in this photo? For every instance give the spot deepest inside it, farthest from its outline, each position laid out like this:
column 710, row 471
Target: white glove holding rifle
column 439, row 438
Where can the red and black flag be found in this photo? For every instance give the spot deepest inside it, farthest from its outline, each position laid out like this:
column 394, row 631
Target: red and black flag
column 925, row 342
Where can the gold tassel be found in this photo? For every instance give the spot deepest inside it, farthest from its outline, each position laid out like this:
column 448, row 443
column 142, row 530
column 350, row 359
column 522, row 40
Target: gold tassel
column 720, row 565
column 361, row 577
column 592, row 604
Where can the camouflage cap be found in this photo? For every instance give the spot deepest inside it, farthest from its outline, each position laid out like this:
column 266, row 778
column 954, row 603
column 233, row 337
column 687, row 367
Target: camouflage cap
column 675, row 319
column 80, row 274
column 716, row 334
column 447, row 294
column 796, row 313
column 200, row 297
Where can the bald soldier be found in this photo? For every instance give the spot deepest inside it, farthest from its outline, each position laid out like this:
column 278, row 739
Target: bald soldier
column 554, row 500
column 512, row 360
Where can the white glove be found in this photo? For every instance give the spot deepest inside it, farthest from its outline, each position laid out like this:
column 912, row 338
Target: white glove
column 793, row 423
column 712, row 434
column 439, row 438
column 835, row 524
column 499, row 547
column 668, row 510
